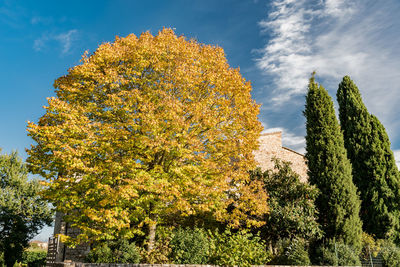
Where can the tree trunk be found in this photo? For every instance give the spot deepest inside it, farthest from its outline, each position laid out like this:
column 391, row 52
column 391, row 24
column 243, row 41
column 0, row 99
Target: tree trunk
column 152, row 236
column 270, row 248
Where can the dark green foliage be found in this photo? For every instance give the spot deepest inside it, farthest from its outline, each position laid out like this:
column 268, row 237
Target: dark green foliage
column 114, row 252
column 100, row 254
column 241, row 249
column 22, row 212
column 190, row 246
column 338, row 254
column 293, row 214
column 291, row 252
column 390, row 254
column 297, row 253
column 330, row 170
column 374, row 168
column 34, row 257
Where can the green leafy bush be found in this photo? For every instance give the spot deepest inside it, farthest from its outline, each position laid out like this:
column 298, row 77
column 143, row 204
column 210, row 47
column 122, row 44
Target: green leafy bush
column 34, row 257
column 190, row 246
column 114, row 252
column 291, row 252
column 293, row 214
column 337, row 253
column 241, row 248
column 390, row 254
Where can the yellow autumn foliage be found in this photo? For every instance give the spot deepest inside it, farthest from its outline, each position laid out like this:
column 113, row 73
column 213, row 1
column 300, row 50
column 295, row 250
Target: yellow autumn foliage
column 146, row 127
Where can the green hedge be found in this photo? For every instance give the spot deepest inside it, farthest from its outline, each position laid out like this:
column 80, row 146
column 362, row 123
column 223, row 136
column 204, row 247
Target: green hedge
column 114, row 252
column 337, row 254
column 241, row 248
column 34, row 257
column 390, row 254
column 291, row 252
column 190, row 246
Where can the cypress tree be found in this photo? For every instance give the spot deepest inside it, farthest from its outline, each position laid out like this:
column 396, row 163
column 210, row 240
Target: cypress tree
column 330, row 170
column 374, row 168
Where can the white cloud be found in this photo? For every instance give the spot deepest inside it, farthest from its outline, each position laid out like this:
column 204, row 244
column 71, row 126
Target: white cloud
column 397, row 157
column 336, row 38
column 41, row 20
column 64, row 40
column 11, row 14
column 39, row 43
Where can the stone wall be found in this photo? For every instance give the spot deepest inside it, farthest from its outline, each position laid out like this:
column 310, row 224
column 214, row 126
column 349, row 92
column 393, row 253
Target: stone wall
column 77, row 264
column 66, row 253
column 79, row 252
column 271, row 146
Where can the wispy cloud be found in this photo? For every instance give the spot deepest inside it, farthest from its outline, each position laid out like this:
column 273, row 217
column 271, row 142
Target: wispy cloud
column 66, row 39
column 39, row 44
column 397, row 157
column 63, row 40
column 41, row 20
column 11, row 14
column 336, row 38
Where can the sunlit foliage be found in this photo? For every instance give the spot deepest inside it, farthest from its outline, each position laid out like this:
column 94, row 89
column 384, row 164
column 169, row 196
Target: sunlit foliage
column 146, row 127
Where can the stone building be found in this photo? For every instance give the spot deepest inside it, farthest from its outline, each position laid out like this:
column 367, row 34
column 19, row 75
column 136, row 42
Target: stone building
column 64, row 253
column 270, row 147
column 38, row 244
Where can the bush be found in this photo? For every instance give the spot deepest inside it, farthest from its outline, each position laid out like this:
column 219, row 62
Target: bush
column 241, row 248
column 190, row 246
column 370, row 246
column 291, row 252
column 114, row 252
column 337, row 253
column 390, row 254
column 34, row 257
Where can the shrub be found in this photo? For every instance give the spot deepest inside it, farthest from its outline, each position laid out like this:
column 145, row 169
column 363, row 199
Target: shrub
column 34, row 257
column 100, row 254
column 390, row 254
column 291, row 252
column 241, row 248
column 369, row 246
column 190, row 246
column 337, row 253
column 114, row 252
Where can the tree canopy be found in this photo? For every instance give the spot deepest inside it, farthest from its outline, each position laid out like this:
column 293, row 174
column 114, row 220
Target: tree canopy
column 146, row 127
column 22, row 212
column 330, row 169
column 374, row 168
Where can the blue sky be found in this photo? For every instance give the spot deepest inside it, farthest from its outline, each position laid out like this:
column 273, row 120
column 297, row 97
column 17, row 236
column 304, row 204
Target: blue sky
column 276, row 44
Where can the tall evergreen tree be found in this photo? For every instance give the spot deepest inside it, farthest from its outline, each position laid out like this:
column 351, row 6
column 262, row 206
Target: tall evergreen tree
column 374, row 168
column 330, row 170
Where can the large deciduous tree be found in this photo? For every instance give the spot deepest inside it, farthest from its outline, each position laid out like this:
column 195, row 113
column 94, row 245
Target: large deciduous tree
column 374, row 168
column 22, row 212
column 146, row 127
column 330, row 169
